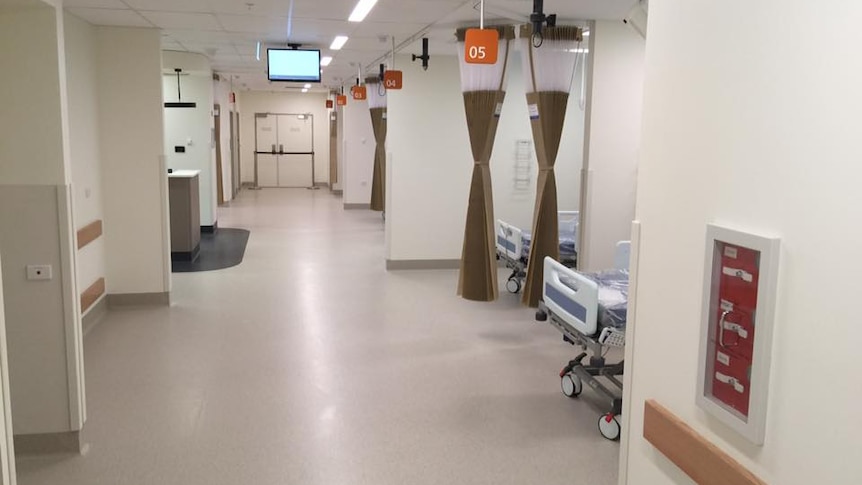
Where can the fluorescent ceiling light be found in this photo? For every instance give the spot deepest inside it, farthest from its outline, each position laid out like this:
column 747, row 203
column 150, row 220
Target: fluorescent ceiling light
column 325, row 61
column 258, row 50
column 304, row 90
column 307, row 86
column 361, row 10
column 339, row 42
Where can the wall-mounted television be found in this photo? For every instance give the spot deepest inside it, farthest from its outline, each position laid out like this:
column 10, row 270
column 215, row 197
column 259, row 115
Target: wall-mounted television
column 293, row 65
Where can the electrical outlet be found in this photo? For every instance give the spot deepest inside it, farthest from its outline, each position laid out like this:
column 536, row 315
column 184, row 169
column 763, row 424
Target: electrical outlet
column 36, row 272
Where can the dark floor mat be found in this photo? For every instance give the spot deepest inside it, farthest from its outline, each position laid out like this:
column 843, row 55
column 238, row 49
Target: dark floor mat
column 221, row 250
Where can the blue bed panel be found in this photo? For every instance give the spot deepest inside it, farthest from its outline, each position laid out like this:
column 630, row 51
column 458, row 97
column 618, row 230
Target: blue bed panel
column 573, row 307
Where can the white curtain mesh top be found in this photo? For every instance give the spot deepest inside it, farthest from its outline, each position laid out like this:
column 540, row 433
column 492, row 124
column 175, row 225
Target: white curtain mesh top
column 484, row 77
column 376, row 95
column 553, row 64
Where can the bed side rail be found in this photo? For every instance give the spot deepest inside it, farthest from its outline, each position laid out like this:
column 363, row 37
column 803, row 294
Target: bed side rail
column 572, row 297
column 508, row 240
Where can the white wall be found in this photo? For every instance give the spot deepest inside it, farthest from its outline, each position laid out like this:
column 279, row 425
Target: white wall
column 737, row 131
column 221, row 92
column 340, row 144
column 191, row 127
column 613, row 138
column 432, row 160
column 134, row 171
column 358, row 167
column 82, row 83
column 277, row 102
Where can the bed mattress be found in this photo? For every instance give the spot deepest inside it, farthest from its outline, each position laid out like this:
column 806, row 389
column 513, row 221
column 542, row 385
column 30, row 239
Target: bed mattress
column 568, row 244
column 613, row 296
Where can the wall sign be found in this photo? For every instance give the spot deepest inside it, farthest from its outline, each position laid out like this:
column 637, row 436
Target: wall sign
column 481, row 46
column 341, row 100
column 393, row 80
column 329, row 104
column 740, row 282
column 360, row 93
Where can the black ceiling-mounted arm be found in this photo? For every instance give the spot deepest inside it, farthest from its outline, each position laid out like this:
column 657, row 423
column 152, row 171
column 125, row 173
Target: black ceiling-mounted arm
column 538, row 19
column 425, row 56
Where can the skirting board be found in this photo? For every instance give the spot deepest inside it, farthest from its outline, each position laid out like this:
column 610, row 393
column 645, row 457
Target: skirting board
column 94, row 315
column 351, row 207
column 422, row 264
column 48, row 443
column 132, row 300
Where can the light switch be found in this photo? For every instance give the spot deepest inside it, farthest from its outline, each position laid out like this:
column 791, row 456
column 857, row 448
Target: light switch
column 36, row 272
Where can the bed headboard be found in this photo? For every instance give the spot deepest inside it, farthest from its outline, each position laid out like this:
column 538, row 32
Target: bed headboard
column 572, row 297
column 509, row 240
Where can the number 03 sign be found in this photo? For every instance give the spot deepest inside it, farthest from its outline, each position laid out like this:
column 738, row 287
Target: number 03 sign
column 481, row 46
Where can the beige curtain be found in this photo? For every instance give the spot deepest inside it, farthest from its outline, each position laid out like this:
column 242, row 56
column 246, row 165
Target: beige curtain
column 377, row 105
column 547, row 100
column 483, row 100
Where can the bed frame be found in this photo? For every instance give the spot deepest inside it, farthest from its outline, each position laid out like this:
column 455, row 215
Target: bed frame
column 510, row 245
column 572, row 307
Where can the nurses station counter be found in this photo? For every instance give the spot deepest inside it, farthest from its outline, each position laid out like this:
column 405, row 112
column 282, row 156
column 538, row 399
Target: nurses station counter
column 184, row 190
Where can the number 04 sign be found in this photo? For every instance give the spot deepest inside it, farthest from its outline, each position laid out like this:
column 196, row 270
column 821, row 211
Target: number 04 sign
column 481, row 46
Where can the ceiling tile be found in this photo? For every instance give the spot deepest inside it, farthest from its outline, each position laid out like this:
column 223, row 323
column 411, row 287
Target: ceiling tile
column 201, row 6
column 252, row 24
column 115, row 4
column 397, row 29
column 177, row 20
column 105, row 16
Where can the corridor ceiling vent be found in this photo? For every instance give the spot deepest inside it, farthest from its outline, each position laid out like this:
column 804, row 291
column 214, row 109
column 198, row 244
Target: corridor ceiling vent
column 179, row 102
column 484, row 87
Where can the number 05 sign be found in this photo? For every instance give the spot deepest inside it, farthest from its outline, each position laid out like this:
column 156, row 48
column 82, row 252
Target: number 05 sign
column 481, row 46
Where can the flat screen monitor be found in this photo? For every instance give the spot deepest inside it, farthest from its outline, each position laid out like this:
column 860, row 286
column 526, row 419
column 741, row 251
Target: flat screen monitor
column 293, row 65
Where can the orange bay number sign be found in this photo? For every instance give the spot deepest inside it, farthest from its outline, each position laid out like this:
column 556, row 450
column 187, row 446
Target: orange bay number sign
column 360, row 93
column 341, row 100
column 481, row 46
column 393, row 80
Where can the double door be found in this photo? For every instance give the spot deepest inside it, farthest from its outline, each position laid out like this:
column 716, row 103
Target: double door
column 285, row 150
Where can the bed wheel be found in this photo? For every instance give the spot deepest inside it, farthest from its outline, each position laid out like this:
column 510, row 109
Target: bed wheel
column 513, row 285
column 609, row 427
column 571, row 385
column 541, row 316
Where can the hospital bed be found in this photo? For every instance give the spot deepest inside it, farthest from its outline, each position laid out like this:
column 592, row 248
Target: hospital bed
column 513, row 247
column 590, row 311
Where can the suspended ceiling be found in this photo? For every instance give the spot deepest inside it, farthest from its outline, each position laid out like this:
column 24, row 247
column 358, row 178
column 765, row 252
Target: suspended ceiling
column 227, row 31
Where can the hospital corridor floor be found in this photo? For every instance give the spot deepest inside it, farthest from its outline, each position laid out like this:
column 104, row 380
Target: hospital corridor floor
column 310, row 364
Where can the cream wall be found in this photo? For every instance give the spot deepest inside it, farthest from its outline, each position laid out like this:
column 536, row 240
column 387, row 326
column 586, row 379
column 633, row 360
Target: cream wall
column 614, row 110
column 358, row 153
column 83, row 95
column 41, row 136
column 280, row 102
column 42, row 317
column 134, row 171
column 736, row 131
column 191, row 128
column 221, row 94
column 431, row 160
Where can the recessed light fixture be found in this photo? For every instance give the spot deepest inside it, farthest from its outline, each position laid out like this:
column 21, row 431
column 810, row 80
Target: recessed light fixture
column 258, row 50
column 307, row 86
column 339, row 42
column 325, row 61
column 361, row 10
column 304, row 90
